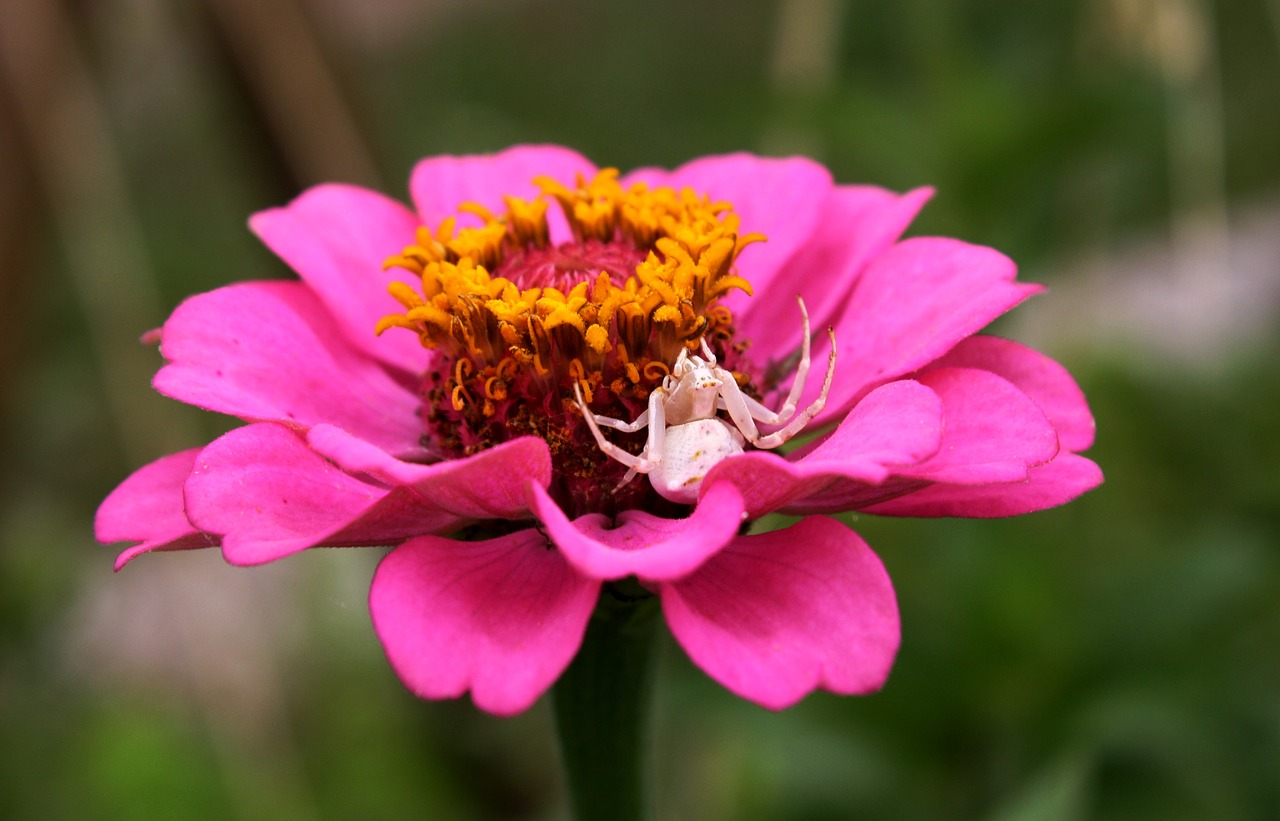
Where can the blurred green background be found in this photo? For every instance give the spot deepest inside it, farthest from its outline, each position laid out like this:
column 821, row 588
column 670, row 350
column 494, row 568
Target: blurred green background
column 1115, row 659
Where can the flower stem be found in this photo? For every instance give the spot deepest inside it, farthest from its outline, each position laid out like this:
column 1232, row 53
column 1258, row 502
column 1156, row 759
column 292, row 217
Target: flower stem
column 601, row 708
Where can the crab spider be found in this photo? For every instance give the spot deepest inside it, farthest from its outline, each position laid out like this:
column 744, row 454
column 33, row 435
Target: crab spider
column 687, row 437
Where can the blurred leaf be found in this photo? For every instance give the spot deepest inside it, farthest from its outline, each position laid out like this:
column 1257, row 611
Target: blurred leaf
column 1060, row 792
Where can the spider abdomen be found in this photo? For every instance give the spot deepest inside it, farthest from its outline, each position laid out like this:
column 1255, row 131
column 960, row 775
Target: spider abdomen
column 688, row 452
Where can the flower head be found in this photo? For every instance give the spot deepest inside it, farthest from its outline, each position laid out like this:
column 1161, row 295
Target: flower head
column 417, row 388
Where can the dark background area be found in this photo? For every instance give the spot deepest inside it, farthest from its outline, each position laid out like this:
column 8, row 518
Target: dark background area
column 1118, row 658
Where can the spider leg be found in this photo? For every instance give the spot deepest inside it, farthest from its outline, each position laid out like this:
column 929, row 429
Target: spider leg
column 706, row 351
column 641, row 463
column 655, row 411
column 755, row 410
column 657, row 426
column 679, row 366
column 733, row 400
column 758, row 411
column 618, row 424
column 797, row 385
column 797, row 424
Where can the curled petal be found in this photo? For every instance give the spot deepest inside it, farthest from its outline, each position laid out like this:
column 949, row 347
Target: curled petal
column 640, row 543
column 1046, row 486
column 337, row 237
column 270, row 495
column 896, row 425
column 270, row 351
column 774, row 616
column 147, row 508
column 501, row 618
column 911, row 305
column 993, row 431
column 489, row 485
column 1039, row 377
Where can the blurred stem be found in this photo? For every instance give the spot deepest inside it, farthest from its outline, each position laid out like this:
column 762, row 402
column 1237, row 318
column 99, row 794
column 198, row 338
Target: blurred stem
column 601, row 708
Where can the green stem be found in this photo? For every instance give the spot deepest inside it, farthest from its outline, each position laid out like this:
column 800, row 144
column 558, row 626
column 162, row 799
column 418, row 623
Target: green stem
column 601, row 708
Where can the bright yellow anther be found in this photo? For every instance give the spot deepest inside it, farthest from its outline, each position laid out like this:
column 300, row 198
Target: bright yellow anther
column 717, row 256
column 563, row 316
column 393, row 321
column 667, row 313
column 747, row 239
column 729, row 283
column 527, row 221
column 484, row 298
column 479, row 210
column 597, row 339
column 403, row 294
column 429, row 315
column 402, row 261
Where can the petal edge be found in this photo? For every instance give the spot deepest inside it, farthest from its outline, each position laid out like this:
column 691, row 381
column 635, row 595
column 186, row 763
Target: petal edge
column 775, row 616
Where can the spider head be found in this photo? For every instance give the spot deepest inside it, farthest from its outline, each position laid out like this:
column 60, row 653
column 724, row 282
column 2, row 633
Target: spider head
column 696, row 387
column 703, row 377
column 696, row 372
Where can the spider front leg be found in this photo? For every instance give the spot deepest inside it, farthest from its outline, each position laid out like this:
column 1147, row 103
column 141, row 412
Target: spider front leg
column 762, row 414
column 744, row 411
column 651, row 456
column 617, row 424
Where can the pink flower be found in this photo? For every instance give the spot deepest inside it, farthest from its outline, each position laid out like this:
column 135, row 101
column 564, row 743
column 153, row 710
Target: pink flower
column 457, row 418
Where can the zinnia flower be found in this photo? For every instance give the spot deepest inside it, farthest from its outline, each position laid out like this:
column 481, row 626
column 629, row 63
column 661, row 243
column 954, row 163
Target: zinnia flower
column 416, row 388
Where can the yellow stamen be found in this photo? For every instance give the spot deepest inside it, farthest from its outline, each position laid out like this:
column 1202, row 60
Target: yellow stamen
column 656, row 371
column 597, row 338
column 500, row 324
column 495, row 388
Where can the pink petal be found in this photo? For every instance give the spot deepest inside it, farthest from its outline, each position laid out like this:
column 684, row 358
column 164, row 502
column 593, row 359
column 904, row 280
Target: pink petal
column 147, row 508
column 337, row 237
column 270, row 351
column 489, row 485
column 439, row 185
column 1047, row 383
column 1046, row 486
column 911, row 305
column 640, row 543
column 858, row 223
column 774, row 616
column 501, row 618
column 993, row 431
column 270, row 495
column 780, row 198
column 895, row 425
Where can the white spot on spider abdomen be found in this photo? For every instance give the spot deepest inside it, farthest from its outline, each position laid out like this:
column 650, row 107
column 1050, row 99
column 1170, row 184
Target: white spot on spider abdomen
column 688, row 452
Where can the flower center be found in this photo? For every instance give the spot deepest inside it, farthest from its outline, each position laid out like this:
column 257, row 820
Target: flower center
column 518, row 321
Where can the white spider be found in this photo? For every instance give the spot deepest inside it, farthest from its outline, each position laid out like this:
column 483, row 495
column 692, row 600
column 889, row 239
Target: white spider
column 687, row 438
